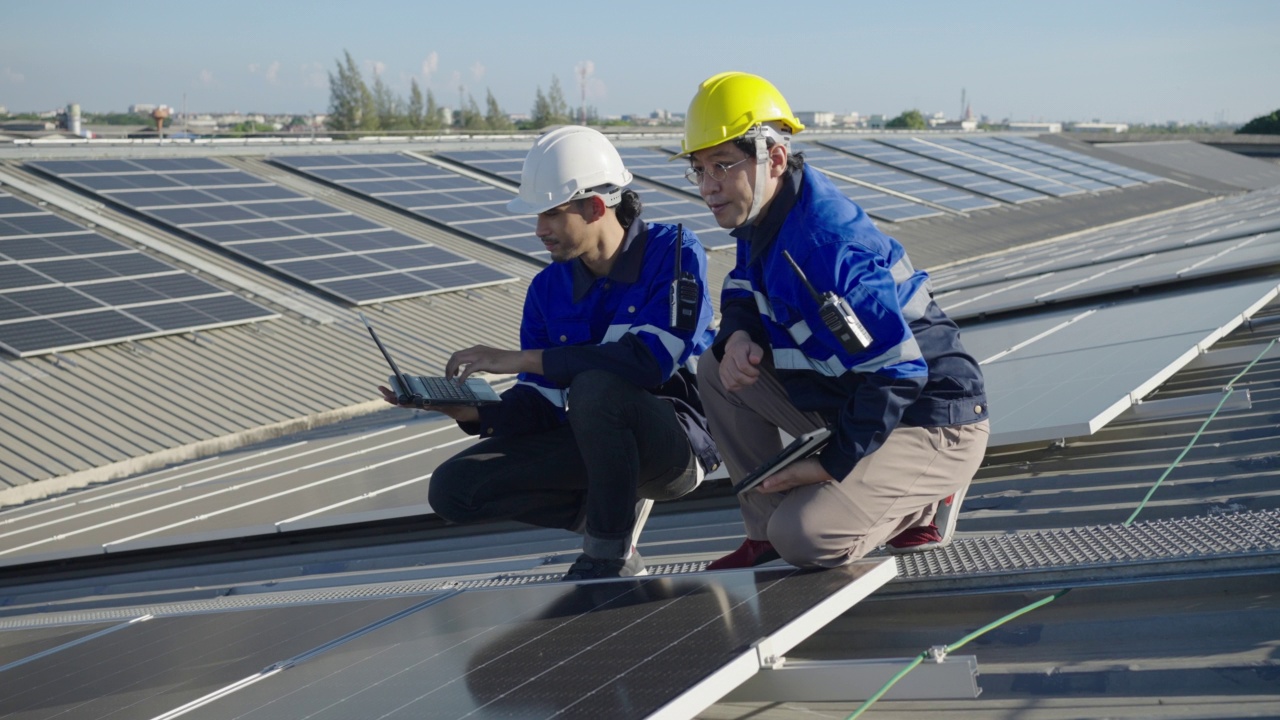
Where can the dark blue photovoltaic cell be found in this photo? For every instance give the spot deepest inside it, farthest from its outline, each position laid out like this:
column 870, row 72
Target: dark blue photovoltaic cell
column 929, row 149
column 942, row 172
column 57, row 292
column 251, row 217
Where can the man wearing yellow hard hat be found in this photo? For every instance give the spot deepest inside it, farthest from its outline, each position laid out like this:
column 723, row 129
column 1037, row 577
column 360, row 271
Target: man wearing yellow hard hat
column 825, row 325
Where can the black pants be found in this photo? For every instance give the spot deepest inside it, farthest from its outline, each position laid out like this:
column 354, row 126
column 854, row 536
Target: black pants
column 621, row 444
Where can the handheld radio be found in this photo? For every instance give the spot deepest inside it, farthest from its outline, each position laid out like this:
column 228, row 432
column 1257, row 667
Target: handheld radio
column 684, row 293
column 836, row 315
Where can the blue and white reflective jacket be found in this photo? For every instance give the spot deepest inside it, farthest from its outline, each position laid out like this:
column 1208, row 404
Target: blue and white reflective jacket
column 914, row 372
column 619, row 323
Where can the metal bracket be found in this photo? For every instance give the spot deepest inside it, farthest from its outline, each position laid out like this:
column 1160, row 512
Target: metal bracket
column 791, row 680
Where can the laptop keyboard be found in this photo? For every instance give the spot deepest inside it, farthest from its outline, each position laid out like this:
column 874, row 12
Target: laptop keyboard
column 439, row 388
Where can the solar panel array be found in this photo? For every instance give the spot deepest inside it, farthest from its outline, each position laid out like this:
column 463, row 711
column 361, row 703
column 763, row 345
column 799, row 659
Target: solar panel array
column 929, row 149
column 321, row 245
column 661, row 203
column 64, row 287
column 996, row 154
column 1083, row 159
column 942, row 172
column 1001, row 144
column 832, row 161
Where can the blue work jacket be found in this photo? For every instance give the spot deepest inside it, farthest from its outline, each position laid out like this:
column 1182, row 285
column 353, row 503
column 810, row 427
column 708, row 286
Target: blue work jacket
column 914, row 372
column 619, row 323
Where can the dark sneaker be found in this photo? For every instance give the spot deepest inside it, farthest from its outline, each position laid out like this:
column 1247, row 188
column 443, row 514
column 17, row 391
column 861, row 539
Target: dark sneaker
column 590, row 568
column 750, row 554
column 937, row 534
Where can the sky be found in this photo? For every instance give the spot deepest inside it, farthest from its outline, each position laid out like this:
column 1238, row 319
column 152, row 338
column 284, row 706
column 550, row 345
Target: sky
column 1137, row 61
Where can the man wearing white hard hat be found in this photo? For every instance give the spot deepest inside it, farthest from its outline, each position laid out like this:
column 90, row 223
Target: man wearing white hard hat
column 605, row 416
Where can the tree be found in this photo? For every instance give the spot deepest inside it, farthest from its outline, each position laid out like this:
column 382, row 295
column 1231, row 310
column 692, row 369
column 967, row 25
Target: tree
column 431, row 118
column 555, row 99
column 416, row 121
column 387, row 107
column 494, row 117
column 347, row 96
column 541, row 114
column 470, row 117
column 909, row 120
column 1262, row 125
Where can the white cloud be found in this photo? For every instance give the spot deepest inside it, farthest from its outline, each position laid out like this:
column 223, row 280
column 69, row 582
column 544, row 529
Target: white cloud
column 477, row 71
column 13, row 76
column 273, row 72
column 430, row 64
column 206, row 77
column 314, row 75
column 377, row 67
column 253, row 68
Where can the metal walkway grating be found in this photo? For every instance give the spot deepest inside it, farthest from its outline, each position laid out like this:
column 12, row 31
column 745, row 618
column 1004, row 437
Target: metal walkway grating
column 1233, row 535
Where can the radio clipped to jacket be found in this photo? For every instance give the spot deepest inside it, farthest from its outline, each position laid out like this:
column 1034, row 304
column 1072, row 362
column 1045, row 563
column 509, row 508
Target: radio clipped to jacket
column 684, row 293
column 836, row 315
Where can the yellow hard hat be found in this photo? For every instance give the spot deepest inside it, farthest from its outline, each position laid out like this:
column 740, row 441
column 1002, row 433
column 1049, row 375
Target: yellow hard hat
column 728, row 105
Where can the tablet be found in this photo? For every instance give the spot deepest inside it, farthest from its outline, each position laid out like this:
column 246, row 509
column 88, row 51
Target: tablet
column 800, row 448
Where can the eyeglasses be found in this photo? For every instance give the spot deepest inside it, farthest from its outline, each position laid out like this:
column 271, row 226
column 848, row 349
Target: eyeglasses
column 715, row 171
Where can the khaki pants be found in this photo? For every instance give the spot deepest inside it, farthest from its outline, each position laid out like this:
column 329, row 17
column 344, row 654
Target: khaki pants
column 831, row 524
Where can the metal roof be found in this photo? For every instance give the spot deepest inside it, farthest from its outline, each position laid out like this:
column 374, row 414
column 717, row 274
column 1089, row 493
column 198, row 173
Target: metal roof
column 230, row 396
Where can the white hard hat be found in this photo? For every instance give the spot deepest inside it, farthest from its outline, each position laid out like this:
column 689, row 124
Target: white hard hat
column 566, row 164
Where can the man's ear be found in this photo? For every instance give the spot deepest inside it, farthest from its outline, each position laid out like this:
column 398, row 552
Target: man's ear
column 777, row 160
column 593, row 209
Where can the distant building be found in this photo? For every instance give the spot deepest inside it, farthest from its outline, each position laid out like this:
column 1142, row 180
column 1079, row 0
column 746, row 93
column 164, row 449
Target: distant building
column 1041, row 127
column 816, row 119
column 142, row 108
column 876, row 121
column 1099, row 127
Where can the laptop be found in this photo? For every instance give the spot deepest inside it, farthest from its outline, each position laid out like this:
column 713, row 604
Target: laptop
column 419, row 390
column 800, row 448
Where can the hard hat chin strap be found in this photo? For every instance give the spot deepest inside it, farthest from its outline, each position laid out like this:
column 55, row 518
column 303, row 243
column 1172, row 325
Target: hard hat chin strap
column 762, row 175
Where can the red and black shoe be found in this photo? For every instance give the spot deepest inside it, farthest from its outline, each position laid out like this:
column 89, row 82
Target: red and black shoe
column 750, row 554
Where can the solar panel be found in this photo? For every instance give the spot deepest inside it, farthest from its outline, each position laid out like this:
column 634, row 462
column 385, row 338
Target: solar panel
column 277, row 228
column 929, row 149
column 655, row 165
column 477, row 208
column 1123, row 275
column 949, row 174
column 983, row 148
column 840, row 163
column 663, row 647
column 146, row 669
column 1068, row 372
column 64, row 287
column 1083, row 159
column 1003, row 145
column 1234, row 217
